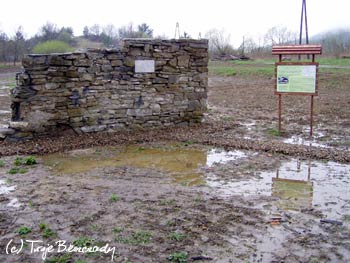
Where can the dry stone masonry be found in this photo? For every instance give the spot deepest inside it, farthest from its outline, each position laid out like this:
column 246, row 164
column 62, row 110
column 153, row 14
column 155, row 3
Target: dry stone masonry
column 144, row 83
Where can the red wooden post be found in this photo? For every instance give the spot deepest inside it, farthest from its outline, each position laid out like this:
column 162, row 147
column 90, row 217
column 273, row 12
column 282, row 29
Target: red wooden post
column 311, row 115
column 280, row 113
column 296, row 50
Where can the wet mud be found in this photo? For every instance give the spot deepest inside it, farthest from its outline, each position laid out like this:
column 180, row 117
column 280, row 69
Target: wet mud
column 228, row 190
column 229, row 206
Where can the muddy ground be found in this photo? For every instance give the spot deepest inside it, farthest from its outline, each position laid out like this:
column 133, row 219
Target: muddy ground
column 153, row 211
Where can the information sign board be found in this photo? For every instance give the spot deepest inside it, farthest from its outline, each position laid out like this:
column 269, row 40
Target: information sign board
column 144, row 66
column 297, row 78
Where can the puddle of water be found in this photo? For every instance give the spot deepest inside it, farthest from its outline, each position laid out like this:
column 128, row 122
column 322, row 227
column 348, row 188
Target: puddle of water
column 5, row 188
column 271, row 241
column 297, row 185
column 14, row 203
column 217, row 156
column 182, row 163
column 249, row 125
column 300, row 141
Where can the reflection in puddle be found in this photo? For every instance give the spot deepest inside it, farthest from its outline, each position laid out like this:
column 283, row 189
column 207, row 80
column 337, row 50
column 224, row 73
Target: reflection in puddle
column 216, row 156
column 293, row 193
column 14, row 203
column 249, row 125
column 5, row 188
column 298, row 185
column 3, row 112
column 182, row 163
column 300, row 141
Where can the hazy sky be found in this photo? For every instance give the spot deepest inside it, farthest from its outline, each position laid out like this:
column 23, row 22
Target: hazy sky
column 238, row 18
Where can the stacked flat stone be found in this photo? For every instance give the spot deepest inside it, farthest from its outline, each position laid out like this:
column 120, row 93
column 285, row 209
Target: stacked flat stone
column 99, row 90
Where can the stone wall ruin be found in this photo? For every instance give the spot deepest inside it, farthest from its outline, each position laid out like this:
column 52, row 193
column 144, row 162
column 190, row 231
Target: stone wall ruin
column 144, row 83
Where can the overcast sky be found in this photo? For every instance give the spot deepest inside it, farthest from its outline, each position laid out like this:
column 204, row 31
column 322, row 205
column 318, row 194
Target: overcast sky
column 249, row 18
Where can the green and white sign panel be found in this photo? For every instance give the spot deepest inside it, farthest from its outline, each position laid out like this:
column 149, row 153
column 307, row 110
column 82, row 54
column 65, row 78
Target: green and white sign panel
column 296, row 78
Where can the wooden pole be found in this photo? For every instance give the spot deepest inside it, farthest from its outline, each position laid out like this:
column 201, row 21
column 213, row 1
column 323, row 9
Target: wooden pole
column 306, row 26
column 279, row 113
column 301, row 26
column 311, row 115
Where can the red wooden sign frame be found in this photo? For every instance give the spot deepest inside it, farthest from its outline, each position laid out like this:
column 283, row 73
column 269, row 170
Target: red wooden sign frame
column 296, row 50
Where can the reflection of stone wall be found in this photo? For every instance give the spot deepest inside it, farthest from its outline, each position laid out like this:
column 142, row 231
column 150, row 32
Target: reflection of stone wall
column 99, row 90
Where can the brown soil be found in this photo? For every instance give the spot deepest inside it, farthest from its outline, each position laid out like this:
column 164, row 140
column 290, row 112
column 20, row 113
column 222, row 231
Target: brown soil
column 147, row 203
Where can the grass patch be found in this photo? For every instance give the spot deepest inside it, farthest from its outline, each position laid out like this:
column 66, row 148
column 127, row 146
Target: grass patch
column 23, row 230
column 169, row 202
column 136, row 238
column 223, row 71
column 273, row 132
column 177, row 236
column 178, row 257
column 242, row 68
column 114, row 198
column 52, row 46
column 118, row 229
column 142, row 237
column 18, row 161
column 8, row 181
column 2, row 163
column 171, row 223
column 188, row 143
column 334, row 61
column 22, row 170
column 83, row 242
column 66, row 258
column 46, row 231
column 14, row 170
column 30, row 160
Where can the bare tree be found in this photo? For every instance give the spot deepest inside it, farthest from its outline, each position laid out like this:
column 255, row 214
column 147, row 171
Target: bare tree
column 127, row 31
column 95, row 32
column 110, row 31
column 248, row 46
column 18, row 44
column 279, row 35
column 219, row 42
column 335, row 42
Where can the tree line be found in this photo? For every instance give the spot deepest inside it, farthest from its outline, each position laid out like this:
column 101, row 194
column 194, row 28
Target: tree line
column 51, row 38
column 334, row 43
